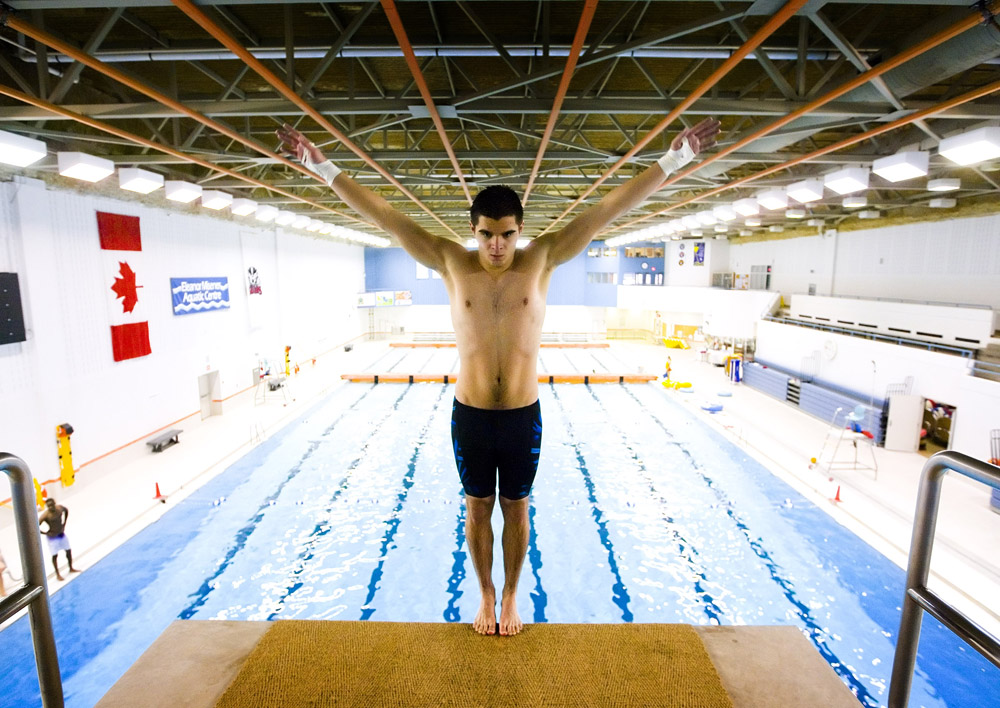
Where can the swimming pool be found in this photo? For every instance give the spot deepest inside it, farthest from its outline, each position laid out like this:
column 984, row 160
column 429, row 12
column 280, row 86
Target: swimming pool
column 640, row 513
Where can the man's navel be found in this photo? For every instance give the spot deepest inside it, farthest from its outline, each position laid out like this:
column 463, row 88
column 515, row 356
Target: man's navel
column 525, row 302
column 468, row 303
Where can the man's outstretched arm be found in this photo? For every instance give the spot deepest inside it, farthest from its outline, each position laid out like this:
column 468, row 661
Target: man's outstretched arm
column 425, row 247
column 569, row 241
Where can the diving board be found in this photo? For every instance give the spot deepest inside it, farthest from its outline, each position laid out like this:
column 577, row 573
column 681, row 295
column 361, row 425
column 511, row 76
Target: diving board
column 602, row 378
column 198, row 664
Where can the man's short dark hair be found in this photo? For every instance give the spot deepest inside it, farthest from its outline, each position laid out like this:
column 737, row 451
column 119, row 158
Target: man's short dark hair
column 496, row 202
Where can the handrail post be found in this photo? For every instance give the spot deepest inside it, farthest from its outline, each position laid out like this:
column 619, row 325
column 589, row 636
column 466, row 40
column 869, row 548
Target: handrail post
column 35, row 592
column 917, row 597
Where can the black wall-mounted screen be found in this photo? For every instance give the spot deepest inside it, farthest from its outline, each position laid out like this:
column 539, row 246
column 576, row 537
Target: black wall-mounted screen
column 11, row 315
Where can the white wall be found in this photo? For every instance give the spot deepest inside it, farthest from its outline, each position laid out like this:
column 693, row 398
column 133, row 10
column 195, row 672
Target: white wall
column 953, row 261
column 722, row 313
column 64, row 372
column 689, row 274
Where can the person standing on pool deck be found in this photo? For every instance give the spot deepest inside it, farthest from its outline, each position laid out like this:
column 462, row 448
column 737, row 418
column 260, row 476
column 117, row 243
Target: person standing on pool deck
column 55, row 517
column 497, row 296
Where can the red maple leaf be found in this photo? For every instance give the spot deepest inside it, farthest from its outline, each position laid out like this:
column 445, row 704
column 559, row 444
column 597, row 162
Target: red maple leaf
column 125, row 287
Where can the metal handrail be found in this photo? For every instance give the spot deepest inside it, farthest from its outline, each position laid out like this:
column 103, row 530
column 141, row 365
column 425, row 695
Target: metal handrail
column 918, row 598
column 34, row 593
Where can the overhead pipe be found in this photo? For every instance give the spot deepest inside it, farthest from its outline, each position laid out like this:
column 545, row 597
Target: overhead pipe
column 203, row 21
column 847, row 142
column 771, row 26
column 574, row 55
column 916, row 50
column 19, row 25
column 123, row 56
column 389, row 7
column 139, row 140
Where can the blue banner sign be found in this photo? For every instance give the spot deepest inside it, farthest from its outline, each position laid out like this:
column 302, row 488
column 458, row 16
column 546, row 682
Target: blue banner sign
column 199, row 294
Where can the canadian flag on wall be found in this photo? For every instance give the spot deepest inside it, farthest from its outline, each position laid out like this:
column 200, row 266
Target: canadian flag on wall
column 121, row 245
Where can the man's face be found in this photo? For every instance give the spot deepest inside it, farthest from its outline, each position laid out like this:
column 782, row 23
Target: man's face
column 497, row 239
column 50, row 503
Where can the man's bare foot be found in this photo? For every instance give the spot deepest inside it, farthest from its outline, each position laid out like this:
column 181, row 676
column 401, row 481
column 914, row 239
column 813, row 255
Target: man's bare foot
column 59, row 577
column 510, row 621
column 486, row 620
column 74, row 570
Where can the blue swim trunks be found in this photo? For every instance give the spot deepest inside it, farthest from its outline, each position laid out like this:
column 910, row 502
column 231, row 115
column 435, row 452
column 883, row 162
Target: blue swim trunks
column 491, row 443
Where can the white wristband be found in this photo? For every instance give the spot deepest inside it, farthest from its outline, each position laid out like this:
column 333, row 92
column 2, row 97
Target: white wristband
column 326, row 169
column 676, row 159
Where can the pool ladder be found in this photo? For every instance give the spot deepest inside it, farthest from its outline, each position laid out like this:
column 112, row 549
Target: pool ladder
column 33, row 593
column 918, row 598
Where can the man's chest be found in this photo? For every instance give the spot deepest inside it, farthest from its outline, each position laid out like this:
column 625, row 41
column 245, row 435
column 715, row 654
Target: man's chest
column 513, row 296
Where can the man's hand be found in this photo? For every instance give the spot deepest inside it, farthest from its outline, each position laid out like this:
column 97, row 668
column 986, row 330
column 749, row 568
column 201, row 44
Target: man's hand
column 295, row 143
column 701, row 137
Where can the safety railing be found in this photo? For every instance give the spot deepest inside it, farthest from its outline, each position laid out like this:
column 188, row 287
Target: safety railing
column 33, row 594
column 918, row 598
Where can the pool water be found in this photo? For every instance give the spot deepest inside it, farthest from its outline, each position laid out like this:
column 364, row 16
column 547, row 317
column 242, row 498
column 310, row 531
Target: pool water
column 640, row 513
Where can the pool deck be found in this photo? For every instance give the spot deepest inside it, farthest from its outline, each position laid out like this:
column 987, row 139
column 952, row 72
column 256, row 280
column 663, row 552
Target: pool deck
column 193, row 662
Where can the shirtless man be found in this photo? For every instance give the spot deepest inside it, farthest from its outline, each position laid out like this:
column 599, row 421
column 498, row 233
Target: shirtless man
column 55, row 517
column 497, row 297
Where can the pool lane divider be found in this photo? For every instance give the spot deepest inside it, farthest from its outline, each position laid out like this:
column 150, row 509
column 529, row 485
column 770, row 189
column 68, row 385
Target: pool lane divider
column 544, row 345
column 542, row 378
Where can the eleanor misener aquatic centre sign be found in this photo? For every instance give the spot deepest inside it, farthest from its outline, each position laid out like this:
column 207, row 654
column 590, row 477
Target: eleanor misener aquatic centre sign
column 199, row 294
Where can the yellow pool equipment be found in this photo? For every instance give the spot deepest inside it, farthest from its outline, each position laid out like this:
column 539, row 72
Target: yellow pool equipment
column 288, row 357
column 675, row 343
column 66, row 474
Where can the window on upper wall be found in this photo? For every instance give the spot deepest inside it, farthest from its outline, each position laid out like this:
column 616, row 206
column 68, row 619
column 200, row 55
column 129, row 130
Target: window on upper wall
column 610, row 253
column 602, row 278
column 593, row 253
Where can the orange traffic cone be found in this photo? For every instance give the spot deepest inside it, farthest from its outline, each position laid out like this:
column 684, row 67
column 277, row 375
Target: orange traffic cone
column 161, row 497
column 837, row 497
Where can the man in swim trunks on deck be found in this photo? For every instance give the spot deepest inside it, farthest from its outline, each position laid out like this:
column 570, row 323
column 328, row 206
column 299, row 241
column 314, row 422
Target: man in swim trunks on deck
column 497, row 297
column 55, row 517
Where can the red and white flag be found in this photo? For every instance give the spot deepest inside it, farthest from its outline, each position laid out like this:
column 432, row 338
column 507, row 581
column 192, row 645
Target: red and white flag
column 121, row 245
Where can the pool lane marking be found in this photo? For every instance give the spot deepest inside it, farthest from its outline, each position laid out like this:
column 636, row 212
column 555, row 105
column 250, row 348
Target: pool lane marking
column 685, row 548
column 814, row 630
column 392, row 523
column 451, row 612
column 619, row 592
column 322, row 528
column 539, row 599
column 200, row 596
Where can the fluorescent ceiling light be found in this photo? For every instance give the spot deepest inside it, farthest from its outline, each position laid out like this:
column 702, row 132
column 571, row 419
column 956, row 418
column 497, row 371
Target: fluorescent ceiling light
column 773, row 199
column 301, row 221
column 972, row 147
column 314, row 225
column 80, row 165
column 266, row 212
column 775, row 228
column 942, row 203
column 752, row 221
column 707, row 217
column 815, row 222
column 724, row 213
column 721, row 229
column 944, row 184
column 214, row 199
column 697, row 232
column 746, row 232
column 244, row 207
column 327, row 229
column 848, row 180
column 795, row 213
column 806, row 191
column 869, row 214
column 746, row 207
column 675, row 238
column 179, row 191
column 855, row 202
column 720, row 237
column 677, row 225
column 135, row 180
column 902, row 166
column 691, row 221
column 284, row 218
column 20, row 151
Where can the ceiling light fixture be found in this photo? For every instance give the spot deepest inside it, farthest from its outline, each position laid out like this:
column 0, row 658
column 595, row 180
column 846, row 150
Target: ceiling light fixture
column 20, row 151
column 80, row 165
column 301, row 221
column 942, row 203
column 266, row 212
column 973, row 146
column 869, row 214
column 752, row 221
column 706, row 217
column 773, row 199
column 746, row 207
column 848, row 180
column 215, row 200
column 724, row 212
column 244, row 207
column 855, row 202
column 944, row 184
column 806, row 191
column 284, row 218
column 775, row 228
column 902, row 166
column 795, row 213
column 136, row 180
column 814, row 222
column 746, row 232
column 180, row 191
